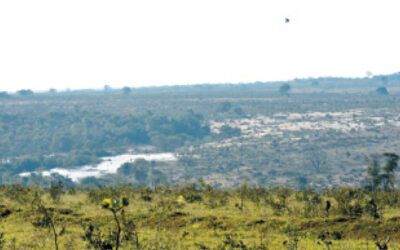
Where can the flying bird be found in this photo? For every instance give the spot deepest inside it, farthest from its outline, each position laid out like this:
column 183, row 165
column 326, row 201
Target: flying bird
column 287, row 20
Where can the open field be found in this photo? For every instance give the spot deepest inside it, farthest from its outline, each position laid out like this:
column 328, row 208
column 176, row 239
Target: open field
column 200, row 217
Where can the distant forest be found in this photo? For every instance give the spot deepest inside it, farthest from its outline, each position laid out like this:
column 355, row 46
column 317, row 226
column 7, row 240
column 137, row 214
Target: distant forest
column 44, row 130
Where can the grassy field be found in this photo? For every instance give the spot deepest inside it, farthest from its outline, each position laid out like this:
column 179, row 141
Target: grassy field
column 199, row 217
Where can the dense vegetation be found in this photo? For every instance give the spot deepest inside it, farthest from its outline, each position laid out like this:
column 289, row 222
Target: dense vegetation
column 60, row 132
column 313, row 132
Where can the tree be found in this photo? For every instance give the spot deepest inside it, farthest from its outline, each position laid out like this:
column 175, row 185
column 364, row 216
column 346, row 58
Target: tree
column 238, row 111
column 388, row 177
column 382, row 91
column 27, row 165
column 107, row 88
column 124, row 228
column 139, row 169
column 227, row 131
column 126, row 90
column 373, row 171
column 318, row 161
column 302, row 182
column 156, row 177
column 56, row 190
column 372, row 209
column 284, row 89
column 47, row 218
column 25, row 92
column 224, row 107
column 52, row 91
column 4, row 94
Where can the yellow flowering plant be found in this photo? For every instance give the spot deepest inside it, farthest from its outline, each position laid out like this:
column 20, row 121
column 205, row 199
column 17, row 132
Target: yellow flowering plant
column 116, row 206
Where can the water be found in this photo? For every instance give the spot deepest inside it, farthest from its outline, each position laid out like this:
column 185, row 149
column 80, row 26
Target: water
column 109, row 165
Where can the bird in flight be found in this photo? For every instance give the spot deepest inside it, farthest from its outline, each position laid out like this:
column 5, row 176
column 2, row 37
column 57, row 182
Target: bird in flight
column 287, row 20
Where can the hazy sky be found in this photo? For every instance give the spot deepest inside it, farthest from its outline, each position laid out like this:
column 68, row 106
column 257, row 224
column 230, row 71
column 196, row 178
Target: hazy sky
column 90, row 43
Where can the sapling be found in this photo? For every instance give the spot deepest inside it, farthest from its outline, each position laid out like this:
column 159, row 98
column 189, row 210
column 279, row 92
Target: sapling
column 47, row 217
column 56, row 190
column 116, row 207
column 327, row 207
column 372, row 209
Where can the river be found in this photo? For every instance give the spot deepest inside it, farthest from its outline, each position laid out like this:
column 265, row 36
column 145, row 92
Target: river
column 109, row 165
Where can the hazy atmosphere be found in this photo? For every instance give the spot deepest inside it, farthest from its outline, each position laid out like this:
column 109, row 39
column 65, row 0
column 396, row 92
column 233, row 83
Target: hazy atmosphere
column 200, row 125
column 88, row 44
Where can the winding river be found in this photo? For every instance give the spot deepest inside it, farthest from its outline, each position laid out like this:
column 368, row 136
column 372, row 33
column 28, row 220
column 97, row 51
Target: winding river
column 109, row 165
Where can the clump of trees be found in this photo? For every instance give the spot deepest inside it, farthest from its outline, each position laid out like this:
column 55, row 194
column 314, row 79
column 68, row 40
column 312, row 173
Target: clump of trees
column 224, row 107
column 141, row 172
column 32, row 163
column 126, row 90
column 284, row 89
column 4, row 94
column 382, row 91
column 57, row 132
column 382, row 176
column 227, row 131
column 25, row 92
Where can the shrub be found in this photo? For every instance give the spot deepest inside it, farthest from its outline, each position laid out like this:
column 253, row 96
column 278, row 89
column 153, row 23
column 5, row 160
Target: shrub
column 56, row 190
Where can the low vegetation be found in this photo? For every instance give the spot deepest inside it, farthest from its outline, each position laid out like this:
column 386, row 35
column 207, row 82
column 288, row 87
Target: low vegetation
column 198, row 216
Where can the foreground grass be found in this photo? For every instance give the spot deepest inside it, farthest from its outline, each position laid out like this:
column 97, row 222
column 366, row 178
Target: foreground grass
column 203, row 218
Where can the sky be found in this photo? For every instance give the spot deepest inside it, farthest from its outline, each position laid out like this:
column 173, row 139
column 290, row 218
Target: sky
column 79, row 44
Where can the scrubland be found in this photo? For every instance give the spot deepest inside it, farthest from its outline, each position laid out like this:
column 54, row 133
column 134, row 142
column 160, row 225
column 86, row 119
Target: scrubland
column 197, row 216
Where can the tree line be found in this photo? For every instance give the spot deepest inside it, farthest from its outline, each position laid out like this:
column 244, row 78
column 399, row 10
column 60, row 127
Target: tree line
column 59, row 132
